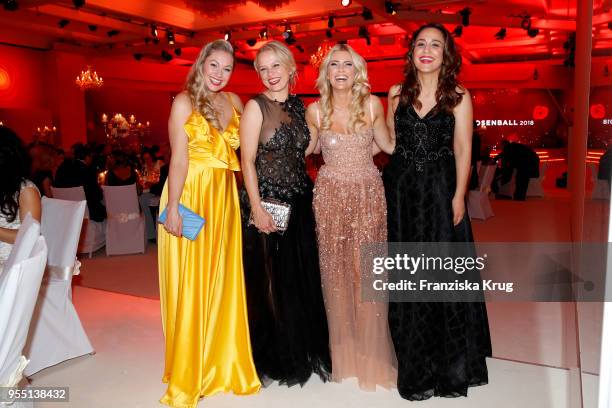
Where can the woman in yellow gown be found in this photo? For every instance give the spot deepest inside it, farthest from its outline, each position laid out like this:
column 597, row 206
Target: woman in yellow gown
column 201, row 282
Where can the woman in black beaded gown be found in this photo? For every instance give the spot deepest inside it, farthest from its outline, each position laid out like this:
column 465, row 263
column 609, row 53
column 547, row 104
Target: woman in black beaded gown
column 441, row 347
column 287, row 318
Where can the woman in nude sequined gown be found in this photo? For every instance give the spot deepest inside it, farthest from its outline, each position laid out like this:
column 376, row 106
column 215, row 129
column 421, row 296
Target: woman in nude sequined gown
column 350, row 210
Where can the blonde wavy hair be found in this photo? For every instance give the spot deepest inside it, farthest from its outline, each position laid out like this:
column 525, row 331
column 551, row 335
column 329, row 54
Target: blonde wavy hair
column 196, row 85
column 360, row 90
column 285, row 56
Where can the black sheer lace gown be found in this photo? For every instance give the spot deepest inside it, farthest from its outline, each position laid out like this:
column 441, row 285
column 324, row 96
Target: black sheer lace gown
column 441, row 347
column 287, row 318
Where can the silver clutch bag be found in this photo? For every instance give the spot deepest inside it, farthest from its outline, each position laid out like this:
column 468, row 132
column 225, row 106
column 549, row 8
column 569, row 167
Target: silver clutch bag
column 279, row 211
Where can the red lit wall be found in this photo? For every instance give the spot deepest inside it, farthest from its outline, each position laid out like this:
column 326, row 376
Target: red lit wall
column 22, row 78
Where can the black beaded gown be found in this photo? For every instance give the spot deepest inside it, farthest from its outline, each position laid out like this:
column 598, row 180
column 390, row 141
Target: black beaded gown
column 441, row 347
column 287, row 318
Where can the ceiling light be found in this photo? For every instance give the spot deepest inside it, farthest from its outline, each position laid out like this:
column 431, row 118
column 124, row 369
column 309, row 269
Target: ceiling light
column 263, row 34
column 526, row 22
column 290, row 39
column 345, row 3
column 170, row 37
column 228, row 35
column 458, row 31
column 533, row 32
column 287, row 33
column 501, row 34
column 390, row 7
column 154, row 30
column 166, row 56
column 465, row 16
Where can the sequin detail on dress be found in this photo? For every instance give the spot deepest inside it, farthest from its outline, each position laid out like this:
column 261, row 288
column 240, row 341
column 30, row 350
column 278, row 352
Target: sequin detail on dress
column 286, row 312
column 350, row 210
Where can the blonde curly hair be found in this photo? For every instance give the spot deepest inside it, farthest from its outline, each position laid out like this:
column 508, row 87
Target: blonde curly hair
column 360, row 90
column 196, row 86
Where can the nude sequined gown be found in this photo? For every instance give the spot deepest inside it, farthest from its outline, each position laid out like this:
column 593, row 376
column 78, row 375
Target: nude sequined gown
column 350, row 210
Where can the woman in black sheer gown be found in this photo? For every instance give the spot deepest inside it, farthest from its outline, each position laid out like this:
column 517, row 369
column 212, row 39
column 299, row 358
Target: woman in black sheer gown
column 441, row 347
column 287, row 318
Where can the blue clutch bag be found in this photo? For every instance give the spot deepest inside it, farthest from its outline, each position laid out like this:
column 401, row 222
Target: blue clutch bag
column 192, row 222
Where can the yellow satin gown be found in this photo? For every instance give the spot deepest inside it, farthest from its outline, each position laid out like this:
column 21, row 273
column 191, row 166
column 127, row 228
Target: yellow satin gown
column 203, row 300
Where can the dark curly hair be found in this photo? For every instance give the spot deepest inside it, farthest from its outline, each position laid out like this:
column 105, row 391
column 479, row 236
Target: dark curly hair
column 14, row 168
column 447, row 96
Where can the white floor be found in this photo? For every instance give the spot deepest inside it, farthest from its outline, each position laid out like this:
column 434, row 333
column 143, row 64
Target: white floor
column 533, row 343
column 127, row 367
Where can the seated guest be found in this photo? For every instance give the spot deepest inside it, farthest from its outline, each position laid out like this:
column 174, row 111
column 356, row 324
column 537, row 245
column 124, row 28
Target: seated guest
column 163, row 170
column 150, row 169
column 81, row 172
column 525, row 160
column 18, row 195
column 43, row 167
column 121, row 172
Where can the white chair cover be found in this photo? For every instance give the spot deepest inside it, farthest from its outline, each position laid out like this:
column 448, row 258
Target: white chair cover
column 535, row 189
column 508, row 188
column 28, row 232
column 478, row 202
column 93, row 233
column 56, row 333
column 601, row 188
column 125, row 224
column 19, row 286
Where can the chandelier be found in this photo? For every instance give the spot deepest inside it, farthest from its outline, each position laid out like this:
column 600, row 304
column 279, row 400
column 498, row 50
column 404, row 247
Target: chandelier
column 89, row 80
column 119, row 127
column 317, row 58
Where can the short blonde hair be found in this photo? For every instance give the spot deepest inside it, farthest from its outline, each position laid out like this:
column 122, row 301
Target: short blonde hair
column 285, row 56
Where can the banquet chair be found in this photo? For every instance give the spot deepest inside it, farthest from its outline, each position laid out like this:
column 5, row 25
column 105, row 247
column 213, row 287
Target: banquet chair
column 478, row 202
column 535, row 189
column 93, row 232
column 508, row 188
column 601, row 188
column 24, row 242
column 125, row 224
column 56, row 332
column 19, row 286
